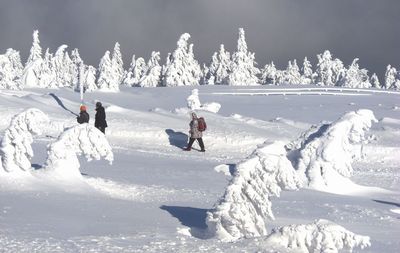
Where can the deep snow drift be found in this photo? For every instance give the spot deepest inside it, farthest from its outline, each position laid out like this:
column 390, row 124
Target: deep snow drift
column 157, row 198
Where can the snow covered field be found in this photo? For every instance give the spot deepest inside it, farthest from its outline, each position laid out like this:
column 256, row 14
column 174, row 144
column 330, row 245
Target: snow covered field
column 154, row 197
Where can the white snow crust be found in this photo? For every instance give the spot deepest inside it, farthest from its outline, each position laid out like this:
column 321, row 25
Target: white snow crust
column 319, row 236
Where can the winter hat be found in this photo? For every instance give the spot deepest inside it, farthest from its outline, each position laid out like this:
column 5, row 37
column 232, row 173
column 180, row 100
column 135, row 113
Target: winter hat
column 82, row 108
column 194, row 116
column 98, row 104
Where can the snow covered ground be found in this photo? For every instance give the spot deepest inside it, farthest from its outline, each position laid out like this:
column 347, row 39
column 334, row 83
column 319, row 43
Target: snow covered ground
column 154, row 197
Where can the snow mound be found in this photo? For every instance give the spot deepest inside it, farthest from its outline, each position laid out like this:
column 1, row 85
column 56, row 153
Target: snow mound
column 325, row 153
column 62, row 162
column 193, row 103
column 246, row 204
column 320, row 236
column 16, row 150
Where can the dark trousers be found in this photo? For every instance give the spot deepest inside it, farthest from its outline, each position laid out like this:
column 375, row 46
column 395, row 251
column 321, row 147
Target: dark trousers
column 102, row 129
column 191, row 141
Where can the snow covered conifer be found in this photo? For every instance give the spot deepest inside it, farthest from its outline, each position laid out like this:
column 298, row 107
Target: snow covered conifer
column 355, row 77
column 11, row 70
column 307, row 72
column 326, row 153
column 89, row 78
column 138, row 71
column 128, row 78
column 243, row 70
column 375, row 81
column 118, row 65
column 15, row 149
column 62, row 162
column 47, row 74
column 36, row 50
column 31, row 75
column 329, row 71
column 219, row 66
column 268, row 74
column 106, row 80
column 152, row 77
column 77, row 64
column 292, row 73
column 246, row 205
column 181, row 68
column 390, row 76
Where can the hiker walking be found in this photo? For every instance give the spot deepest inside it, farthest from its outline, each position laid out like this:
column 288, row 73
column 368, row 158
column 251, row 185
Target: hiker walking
column 195, row 133
column 100, row 118
column 83, row 115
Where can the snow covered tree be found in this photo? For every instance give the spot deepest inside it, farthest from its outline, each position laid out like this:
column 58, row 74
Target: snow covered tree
column 329, row 71
column 292, row 73
column 355, row 77
column 62, row 162
column 307, row 72
column 118, row 65
column 47, row 74
column 375, row 81
column 181, row 68
column 219, row 67
column 390, row 77
column 36, row 50
column 246, row 204
column 152, row 77
column 326, row 152
column 89, row 78
column 128, row 78
column 193, row 101
column 77, row 64
column 31, row 73
column 243, row 70
column 268, row 74
column 11, row 70
column 107, row 80
column 15, row 149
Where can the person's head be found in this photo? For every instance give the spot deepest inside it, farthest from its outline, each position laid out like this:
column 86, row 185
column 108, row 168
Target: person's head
column 82, row 108
column 98, row 104
column 194, row 116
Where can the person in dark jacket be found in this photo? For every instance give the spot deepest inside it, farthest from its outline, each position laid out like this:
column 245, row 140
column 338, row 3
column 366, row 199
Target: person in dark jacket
column 100, row 118
column 195, row 134
column 83, row 115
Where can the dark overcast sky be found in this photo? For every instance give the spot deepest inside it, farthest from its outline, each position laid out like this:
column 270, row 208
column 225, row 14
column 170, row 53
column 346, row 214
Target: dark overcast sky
column 278, row 30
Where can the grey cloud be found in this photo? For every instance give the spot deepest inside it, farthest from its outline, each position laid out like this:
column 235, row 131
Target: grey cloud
column 278, row 30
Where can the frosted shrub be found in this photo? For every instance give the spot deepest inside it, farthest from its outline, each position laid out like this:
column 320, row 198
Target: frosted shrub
column 320, row 236
column 246, row 205
column 193, row 103
column 81, row 139
column 326, row 154
column 15, row 150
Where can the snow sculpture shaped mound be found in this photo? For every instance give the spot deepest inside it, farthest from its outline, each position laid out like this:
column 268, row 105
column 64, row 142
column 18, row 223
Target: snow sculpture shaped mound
column 326, row 154
column 62, row 161
column 193, row 103
column 320, row 236
column 246, row 204
column 16, row 151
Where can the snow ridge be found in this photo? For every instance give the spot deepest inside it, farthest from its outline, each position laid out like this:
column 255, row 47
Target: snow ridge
column 242, row 210
column 16, row 150
column 83, row 139
column 319, row 236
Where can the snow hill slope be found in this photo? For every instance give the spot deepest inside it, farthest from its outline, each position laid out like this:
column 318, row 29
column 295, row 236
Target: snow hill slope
column 155, row 197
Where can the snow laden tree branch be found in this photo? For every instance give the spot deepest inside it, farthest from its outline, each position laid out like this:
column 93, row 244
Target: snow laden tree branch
column 16, row 150
column 246, row 204
column 83, row 139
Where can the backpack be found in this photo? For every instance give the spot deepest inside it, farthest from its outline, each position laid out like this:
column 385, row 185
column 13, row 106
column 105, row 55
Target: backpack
column 201, row 126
